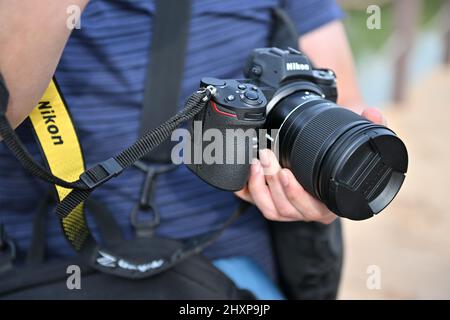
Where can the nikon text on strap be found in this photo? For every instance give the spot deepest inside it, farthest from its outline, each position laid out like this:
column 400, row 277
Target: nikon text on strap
column 53, row 133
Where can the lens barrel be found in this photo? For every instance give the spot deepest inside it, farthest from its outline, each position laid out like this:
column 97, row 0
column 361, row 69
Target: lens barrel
column 354, row 166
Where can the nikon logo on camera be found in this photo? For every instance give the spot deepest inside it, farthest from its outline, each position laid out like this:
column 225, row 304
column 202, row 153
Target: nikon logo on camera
column 295, row 66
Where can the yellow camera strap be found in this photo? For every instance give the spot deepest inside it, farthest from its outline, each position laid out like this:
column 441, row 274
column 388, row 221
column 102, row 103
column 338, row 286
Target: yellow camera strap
column 55, row 132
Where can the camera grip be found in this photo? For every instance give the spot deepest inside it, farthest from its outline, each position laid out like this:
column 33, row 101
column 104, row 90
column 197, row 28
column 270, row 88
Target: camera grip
column 222, row 147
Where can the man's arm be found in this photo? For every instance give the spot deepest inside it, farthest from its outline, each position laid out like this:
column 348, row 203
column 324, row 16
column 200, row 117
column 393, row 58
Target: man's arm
column 32, row 37
column 328, row 47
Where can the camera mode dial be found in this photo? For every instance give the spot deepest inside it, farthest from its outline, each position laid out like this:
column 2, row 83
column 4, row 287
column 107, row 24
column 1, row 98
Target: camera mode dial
column 239, row 99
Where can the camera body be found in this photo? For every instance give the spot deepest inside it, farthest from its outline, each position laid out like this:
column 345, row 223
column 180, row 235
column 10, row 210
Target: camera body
column 244, row 104
column 352, row 165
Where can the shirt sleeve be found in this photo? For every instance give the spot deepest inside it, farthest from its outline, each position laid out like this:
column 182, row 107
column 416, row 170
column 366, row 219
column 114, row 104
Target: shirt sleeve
column 308, row 15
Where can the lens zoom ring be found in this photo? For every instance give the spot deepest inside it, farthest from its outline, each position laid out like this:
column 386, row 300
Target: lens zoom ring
column 312, row 138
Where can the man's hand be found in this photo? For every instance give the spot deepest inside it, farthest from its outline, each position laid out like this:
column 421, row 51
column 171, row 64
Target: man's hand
column 277, row 193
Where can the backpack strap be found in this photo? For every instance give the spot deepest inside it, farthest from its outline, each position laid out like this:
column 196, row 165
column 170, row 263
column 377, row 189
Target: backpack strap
column 165, row 69
column 36, row 249
column 284, row 33
column 8, row 251
column 107, row 226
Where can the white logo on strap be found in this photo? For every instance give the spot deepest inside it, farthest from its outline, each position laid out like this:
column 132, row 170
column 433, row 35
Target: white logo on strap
column 110, row 261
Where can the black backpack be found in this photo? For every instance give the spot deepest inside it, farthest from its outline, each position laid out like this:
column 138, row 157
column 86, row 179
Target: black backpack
column 194, row 278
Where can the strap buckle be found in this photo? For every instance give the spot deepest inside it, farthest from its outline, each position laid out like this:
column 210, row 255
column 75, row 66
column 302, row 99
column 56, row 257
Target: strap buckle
column 210, row 92
column 101, row 173
column 146, row 205
column 144, row 228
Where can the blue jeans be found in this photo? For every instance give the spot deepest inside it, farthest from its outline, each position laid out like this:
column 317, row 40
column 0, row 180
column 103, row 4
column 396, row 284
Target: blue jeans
column 246, row 274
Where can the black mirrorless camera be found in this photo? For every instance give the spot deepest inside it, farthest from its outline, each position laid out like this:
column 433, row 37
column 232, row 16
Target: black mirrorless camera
column 352, row 165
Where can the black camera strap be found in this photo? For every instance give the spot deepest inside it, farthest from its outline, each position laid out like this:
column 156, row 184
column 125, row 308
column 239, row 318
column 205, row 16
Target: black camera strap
column 68, row 210
column 165, row 69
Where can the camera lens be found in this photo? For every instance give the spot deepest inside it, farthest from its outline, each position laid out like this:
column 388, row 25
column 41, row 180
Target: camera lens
column 352, row 165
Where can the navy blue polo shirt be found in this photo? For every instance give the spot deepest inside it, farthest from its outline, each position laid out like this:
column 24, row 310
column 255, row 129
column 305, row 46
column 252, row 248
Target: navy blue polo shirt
column 102, row 73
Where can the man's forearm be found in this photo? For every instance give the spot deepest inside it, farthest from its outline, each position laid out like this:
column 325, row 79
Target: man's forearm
column 32, row 37
column 328, row 47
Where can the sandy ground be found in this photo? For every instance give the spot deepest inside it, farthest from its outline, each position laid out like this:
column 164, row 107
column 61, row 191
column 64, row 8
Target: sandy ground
column 410, row 241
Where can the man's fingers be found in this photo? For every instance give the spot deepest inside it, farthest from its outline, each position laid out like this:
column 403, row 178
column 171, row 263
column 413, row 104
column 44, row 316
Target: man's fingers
column 311, row 208
column 245, row 194
column 261, row 194
column 271, row 167
column 269, row 162
column 329, row 219
column 374, row 115
column 282, row 198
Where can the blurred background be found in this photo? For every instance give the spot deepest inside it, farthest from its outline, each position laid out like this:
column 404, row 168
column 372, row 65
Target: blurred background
column 404, row 68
